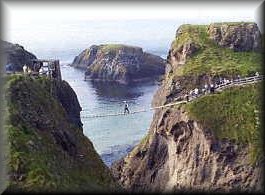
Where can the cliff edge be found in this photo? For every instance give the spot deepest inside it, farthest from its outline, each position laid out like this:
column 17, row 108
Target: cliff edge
column 48, row 151
column 214, row 143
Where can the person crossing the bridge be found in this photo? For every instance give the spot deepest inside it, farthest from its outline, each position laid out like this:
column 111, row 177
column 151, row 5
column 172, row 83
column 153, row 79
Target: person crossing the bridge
column 126, row 108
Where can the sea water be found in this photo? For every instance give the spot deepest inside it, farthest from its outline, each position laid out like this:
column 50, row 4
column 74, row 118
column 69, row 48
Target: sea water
column 112, row 136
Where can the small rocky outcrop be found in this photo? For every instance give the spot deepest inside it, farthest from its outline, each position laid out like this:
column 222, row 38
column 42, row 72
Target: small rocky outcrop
column 120, row 63
column 236, row 36
column 15, row 56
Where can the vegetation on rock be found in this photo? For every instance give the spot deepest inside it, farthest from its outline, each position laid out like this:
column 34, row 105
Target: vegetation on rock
column 212, row 59
column 213, row 143
column 48, row 153
column 233, row 114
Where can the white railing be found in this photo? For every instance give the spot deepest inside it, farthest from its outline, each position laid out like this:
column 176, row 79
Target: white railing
column 241, row 81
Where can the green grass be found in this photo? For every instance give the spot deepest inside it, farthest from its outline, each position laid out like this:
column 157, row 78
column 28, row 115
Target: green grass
column 231, row 114
column 114, row 47
column 191, row 33
column 232, row 23
column 212, row 59
column 37, row 163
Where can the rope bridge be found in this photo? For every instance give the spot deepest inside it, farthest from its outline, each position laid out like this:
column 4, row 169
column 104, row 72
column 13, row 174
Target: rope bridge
column 237, row 82
column 135, row 112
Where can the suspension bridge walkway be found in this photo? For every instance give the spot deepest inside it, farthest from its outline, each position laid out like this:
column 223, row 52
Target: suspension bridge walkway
column 220, row 87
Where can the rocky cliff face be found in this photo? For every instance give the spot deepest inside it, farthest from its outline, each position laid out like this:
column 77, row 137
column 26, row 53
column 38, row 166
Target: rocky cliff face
column 236, row 36
column 119, row 63
column 15, row 56
column 48, row 150
column 205, row 145
column 67, row 97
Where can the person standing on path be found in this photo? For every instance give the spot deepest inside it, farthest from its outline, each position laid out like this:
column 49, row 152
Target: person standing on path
column 25, row 69
column 196, row 92
column 187, row 97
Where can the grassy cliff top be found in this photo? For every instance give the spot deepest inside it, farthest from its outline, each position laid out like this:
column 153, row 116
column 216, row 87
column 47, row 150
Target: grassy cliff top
column 233, row 114
column 232, row 23
column 212, row 59
column 47, row 152
column 116, row 47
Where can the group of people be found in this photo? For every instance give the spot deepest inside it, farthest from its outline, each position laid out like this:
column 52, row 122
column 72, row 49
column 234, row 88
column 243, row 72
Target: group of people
column 195, row 92
column 27, row 70
column 211, row 88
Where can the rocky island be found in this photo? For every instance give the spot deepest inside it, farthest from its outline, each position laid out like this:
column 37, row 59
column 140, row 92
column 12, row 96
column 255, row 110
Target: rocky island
column 119, row 63
column 214, row 143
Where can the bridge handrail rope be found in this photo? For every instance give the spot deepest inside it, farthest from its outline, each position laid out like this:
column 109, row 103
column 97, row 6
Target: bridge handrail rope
column 241, row 81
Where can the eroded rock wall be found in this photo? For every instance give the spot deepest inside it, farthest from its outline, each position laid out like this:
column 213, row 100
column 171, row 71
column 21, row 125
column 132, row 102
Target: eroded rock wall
column 239, row 37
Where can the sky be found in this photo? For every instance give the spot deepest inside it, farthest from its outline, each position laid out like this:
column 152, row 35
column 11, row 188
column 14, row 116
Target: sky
column 57, row 12
column 56, row 26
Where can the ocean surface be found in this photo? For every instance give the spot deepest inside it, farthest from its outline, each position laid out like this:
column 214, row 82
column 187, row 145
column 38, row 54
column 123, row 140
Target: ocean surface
column 114, row 136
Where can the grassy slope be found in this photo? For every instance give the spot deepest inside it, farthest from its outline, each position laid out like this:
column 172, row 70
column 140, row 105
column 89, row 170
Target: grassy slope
column 229, row 114
column 212, row 59
column 37, row 162
column 233, row 114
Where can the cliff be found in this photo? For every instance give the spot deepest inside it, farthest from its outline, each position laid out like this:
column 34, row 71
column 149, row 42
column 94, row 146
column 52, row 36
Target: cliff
column 236, row 36
column 121, row 63
column 15, row 56
column 213, row 143
column 48, row 151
